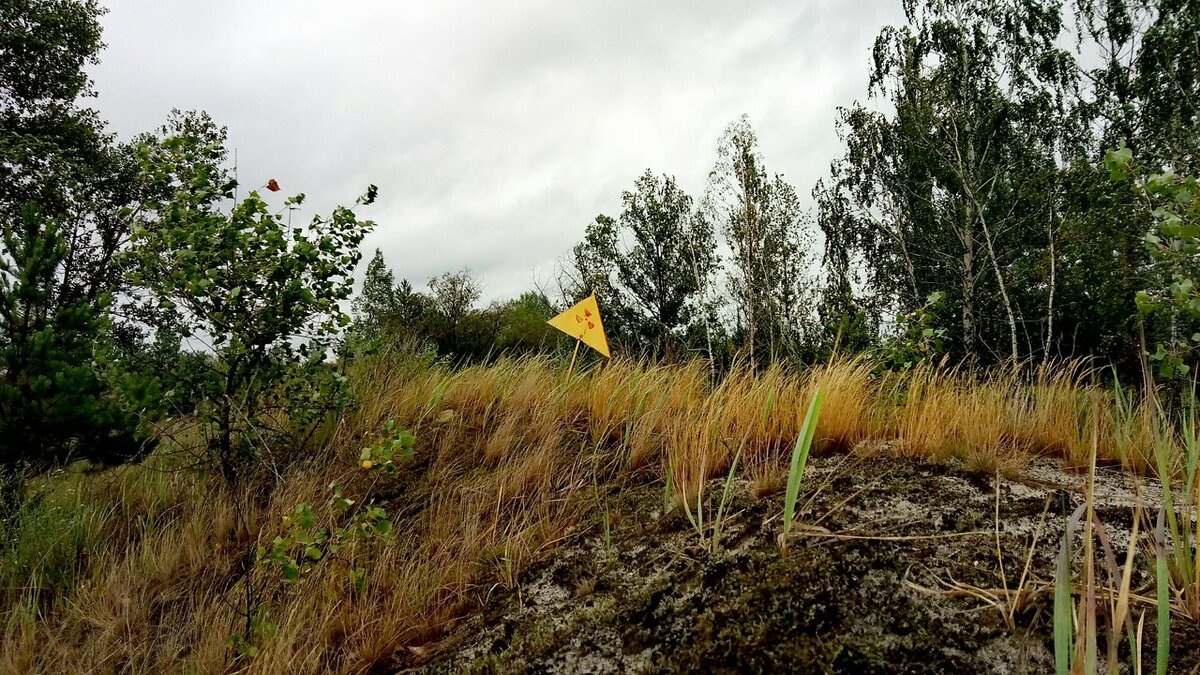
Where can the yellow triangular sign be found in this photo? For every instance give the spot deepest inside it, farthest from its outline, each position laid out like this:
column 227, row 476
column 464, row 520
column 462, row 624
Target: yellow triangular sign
column 582, row 321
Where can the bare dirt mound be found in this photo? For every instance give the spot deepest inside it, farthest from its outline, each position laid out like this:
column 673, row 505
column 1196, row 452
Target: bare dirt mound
column 896, row 570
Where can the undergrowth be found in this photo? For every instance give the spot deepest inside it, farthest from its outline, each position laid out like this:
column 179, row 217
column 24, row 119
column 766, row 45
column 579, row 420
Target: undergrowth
column 153, row 567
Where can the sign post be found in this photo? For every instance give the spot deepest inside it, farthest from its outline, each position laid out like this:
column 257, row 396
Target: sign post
column 582, row 322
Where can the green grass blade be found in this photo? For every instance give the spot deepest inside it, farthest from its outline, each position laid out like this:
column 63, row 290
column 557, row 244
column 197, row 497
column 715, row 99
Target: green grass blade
column 1163, row 582
column 669, row 483
column 720, row 519
column 768, row 407
column 1191, row 455
column 1063, row 629
column 1162, row 458
column 800, row 459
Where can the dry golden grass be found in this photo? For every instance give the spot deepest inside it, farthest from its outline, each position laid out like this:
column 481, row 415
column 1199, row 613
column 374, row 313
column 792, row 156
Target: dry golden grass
column 509, row 460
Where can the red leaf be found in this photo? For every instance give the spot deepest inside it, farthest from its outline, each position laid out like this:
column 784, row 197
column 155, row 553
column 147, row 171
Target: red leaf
column 272, row 185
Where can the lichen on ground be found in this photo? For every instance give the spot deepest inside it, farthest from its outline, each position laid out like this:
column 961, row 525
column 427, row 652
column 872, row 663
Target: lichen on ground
column 895, row 569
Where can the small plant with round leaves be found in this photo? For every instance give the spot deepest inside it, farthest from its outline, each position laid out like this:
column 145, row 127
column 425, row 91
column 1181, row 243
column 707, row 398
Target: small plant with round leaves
column 303, row 545
column 1172, row 202
column 262, row 626
column 919, row 337
column 395, row 444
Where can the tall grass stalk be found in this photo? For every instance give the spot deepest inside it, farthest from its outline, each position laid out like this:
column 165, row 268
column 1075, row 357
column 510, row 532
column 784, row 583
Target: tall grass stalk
column 1163, row 598
column 1064, row 631
column 1120, row 612
column 1191, row 499
column 698, row 520
column 718, row 522
column 1075, row 631
column 799, row 460
column 1176, row 454
column 1089, row 562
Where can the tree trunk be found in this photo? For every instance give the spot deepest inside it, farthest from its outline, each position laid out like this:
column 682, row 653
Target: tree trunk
column 748, row 274
column 1012, row 319
column 968, row 307
column 1050, row 303
column 702, row 288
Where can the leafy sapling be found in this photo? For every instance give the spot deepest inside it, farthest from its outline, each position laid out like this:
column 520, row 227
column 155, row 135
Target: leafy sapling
column 263, row 295
column 1173, row 289
column 919, row 338
column 303, row 545
column 395, row 444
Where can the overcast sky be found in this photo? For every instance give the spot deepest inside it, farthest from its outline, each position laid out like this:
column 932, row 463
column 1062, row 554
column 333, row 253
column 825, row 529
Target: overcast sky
column 495, row 129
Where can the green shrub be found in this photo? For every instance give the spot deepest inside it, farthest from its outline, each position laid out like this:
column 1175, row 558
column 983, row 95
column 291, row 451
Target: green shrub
column 47, row 543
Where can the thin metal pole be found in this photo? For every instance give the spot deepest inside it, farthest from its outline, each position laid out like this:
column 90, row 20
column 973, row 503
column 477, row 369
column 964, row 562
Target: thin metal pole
column 575, row 353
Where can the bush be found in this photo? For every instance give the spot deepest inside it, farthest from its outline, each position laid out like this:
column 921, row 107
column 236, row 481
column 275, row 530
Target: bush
column 264, row 296
column 46, row 544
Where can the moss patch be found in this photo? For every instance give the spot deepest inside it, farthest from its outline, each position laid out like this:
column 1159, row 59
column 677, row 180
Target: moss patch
column 860, row 592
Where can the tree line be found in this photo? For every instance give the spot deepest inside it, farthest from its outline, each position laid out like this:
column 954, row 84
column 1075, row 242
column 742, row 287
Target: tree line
column 973, row 193
column 973, row 199
column 1017, row 188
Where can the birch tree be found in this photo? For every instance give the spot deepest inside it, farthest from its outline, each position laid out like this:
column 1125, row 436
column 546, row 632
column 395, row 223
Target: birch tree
column 769, row 277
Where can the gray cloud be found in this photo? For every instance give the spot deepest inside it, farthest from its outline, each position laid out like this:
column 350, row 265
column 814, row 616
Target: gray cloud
column 495, row 130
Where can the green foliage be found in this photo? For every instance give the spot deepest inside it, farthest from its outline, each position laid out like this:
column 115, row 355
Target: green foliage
column 1101, row 264
column 298, row 548
column 53, row 153
column 592, row 271
column 1162, row 583
column 385, row 311
column 65, row 192
column 649, row 267
column 262, row 626
column 953, row 190
column 1148, row 79
column 42, row 56
column 769, row 272
column 304, row 544
column 388, row 315
column 919, row 338
column 981, row 181
column 1173, row 202
column 719, row 519
column 1064, row 628
column 710, row 533
column 521, row 324
column 54, row 403
column 376, row 304
column 395, row 444
column 45, row 543
column 263, row 295
column 179, row 378
column 454, row 296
